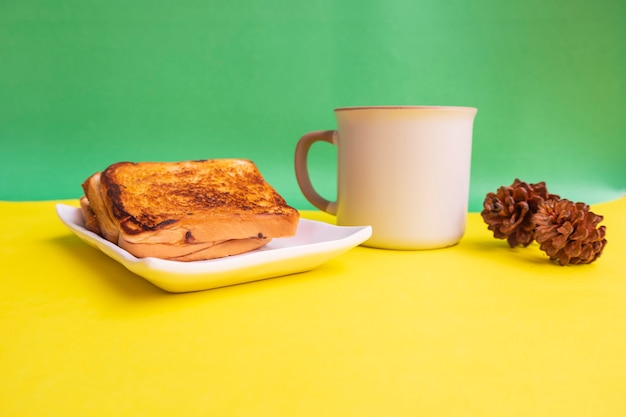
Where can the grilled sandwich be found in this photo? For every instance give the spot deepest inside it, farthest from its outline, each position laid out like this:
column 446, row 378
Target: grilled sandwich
column 186, row 211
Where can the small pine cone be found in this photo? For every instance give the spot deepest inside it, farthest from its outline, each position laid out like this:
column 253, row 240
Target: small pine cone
column 568, row 232
column 509, row 212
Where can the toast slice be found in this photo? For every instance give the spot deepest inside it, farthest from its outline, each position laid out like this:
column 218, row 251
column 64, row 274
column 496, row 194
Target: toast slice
column 189, row 210
column 95, row 213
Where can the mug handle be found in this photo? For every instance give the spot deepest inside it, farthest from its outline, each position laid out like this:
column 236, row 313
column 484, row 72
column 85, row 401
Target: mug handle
column 302, row 170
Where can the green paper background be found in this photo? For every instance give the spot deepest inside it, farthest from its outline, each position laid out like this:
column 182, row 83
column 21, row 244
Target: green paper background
column 86, row 83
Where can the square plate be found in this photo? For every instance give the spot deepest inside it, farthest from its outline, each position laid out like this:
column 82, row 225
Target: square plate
column 314, row 244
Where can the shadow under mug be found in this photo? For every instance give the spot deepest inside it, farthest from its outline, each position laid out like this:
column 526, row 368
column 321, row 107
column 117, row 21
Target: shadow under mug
column 404, row 170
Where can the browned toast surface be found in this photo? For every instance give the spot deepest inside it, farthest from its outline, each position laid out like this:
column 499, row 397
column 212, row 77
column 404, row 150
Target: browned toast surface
column 186, row 203
column 158, row 192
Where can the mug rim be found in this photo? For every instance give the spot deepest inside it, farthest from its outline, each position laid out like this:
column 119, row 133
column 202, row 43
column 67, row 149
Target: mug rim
column 406, row 107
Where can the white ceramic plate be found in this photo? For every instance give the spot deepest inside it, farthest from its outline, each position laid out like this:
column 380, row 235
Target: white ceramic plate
column 314, row 244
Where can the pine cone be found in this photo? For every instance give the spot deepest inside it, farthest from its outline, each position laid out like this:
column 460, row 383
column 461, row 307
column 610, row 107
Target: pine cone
column 568, row 232
column 509, row 212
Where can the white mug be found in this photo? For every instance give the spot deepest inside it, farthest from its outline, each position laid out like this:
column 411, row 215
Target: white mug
column 404, row 170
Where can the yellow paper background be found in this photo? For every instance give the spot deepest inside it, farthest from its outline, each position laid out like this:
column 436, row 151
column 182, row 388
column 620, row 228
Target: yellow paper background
column 474, row 330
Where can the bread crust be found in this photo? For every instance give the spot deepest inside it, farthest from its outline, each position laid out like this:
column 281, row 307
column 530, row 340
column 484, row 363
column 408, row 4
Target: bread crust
column 190, row 210
column 93, row 192
column 91, row 220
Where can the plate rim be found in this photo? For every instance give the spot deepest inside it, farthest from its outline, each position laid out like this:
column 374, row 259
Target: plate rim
column 257, row 258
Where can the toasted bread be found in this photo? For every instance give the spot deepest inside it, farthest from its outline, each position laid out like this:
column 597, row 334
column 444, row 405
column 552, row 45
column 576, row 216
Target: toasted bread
column 188, row 210
column 91, row 220
column 96, row 214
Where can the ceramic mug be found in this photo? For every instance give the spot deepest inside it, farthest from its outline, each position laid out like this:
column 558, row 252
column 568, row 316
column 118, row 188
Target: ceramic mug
column 404, row 170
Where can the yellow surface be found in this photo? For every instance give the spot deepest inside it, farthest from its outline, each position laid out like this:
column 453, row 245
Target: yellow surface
column 474, row 330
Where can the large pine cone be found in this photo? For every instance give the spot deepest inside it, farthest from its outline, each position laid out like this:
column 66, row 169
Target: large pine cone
column 509, row 212
column 568, row 232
